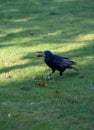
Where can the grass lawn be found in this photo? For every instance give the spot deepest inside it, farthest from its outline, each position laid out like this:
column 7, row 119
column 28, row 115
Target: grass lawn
column 28, row 101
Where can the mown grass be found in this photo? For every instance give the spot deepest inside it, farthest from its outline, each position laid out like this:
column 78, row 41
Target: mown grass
column 66, row 27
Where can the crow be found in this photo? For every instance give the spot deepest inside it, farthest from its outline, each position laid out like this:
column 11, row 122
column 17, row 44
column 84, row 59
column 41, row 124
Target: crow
column 56, row 62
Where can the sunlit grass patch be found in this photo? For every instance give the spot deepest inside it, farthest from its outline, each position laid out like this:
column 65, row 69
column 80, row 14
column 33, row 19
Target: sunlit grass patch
column 87, row 37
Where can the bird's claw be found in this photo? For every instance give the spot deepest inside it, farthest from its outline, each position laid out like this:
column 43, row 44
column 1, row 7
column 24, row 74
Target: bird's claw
column 48, row 77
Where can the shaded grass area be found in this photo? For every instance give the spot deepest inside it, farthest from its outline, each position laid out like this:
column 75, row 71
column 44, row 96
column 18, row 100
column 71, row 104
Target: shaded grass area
column 66, row 28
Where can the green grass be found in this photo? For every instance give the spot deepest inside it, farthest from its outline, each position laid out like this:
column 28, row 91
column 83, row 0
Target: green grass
column 66, row 27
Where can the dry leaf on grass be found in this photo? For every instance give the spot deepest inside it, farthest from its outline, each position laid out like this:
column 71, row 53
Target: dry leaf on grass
column 31, row 33
column 43, row 84
column 8, row 76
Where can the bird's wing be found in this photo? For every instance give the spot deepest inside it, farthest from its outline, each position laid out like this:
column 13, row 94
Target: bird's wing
column 62, row 61
column 67, row 62
column 58, row 61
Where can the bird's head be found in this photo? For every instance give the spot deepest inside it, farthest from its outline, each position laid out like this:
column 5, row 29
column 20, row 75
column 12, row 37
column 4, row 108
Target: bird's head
column 46, row 53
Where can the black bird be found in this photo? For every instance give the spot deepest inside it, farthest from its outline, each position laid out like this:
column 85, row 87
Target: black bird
column 56, row 62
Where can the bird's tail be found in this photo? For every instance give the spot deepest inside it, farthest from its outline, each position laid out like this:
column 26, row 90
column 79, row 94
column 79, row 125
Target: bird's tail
column 74, row 68
column 73, row 62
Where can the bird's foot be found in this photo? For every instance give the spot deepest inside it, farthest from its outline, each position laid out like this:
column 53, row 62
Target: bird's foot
column 48, row 77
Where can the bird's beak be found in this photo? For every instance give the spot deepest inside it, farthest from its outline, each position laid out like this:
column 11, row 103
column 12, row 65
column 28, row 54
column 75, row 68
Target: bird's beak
column 42, row 54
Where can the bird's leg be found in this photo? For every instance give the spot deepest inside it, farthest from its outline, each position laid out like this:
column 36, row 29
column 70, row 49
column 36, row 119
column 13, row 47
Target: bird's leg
column 52, row 72
column 61, row 73
column 49, row 76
